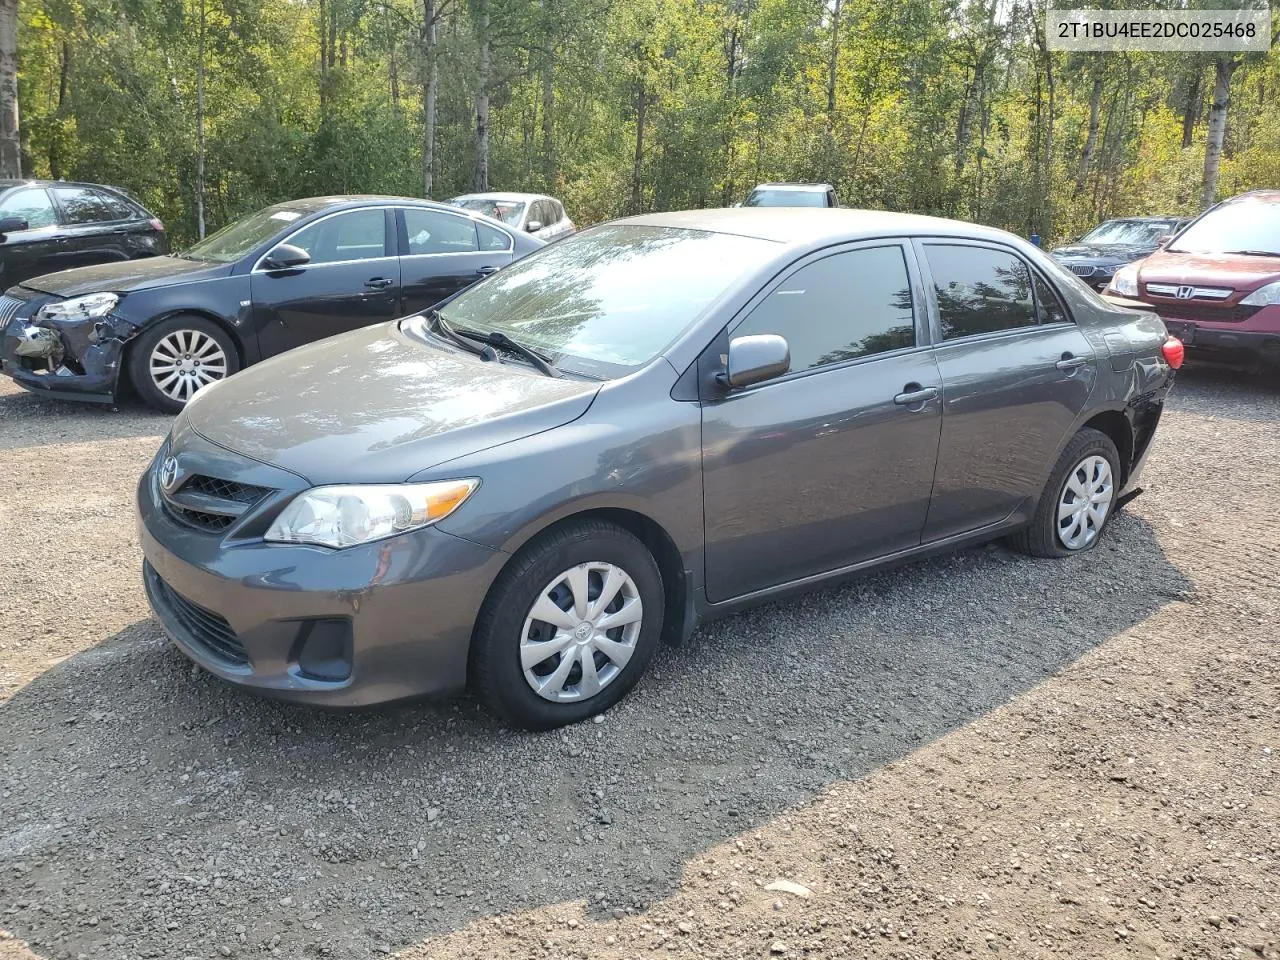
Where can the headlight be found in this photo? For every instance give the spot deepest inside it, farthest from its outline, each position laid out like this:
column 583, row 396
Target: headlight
column 1125, row 281
column 1264, row 296
column 344, row 516
column 88, row 307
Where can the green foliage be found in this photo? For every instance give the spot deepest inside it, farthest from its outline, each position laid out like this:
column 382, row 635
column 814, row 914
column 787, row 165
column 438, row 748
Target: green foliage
column 941, row 106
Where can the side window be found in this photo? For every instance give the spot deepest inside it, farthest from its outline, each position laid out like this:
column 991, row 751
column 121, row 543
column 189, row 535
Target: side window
column 32, row 204
column 559, row 210
column 839, row 308
column 81, row 205
column 431, row 231
column 491, row 238
column 120, row 208
column 1051, row 306
column 355, row 235
column 980, row 290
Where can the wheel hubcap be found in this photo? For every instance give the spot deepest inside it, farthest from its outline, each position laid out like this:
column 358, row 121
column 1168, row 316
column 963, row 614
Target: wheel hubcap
column 184, row 361
column 1084, row 503
column 581, row 632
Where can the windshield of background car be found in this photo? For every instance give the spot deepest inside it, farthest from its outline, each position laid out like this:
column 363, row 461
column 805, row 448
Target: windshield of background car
column 609, row 300
column 236, row 239
column 1129, row 233
column 786, row 198
column 508, row 211
column 1243, row 226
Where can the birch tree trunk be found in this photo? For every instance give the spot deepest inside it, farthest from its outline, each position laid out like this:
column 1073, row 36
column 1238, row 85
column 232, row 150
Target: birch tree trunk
column 200, row 125
column 430, row 86
column 1223, row 69
column 1091, row 140
column 548, row 94
column 831, row 63
column 10, row 140
column 482, row 96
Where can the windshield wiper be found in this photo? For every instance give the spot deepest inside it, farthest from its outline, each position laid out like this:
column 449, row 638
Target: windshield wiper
column 442, row 327
column 499, row 339
column 1254, row 253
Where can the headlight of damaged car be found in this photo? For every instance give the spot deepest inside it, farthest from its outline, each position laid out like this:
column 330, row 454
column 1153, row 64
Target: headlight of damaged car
column 1267, row 296
column 89, row 307
column 1125, row 282
column 343, row 516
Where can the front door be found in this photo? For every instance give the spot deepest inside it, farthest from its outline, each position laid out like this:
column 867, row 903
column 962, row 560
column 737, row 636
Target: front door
column 443, row 252
column 350, row 282
column 833, row 463
column 1016, row 373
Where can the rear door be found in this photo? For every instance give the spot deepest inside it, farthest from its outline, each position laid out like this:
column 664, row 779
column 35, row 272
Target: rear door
column 97, row 227
column 1016, row 373
column 441, row 253
column 36, row 250
column 352, row 280
column 833, row 463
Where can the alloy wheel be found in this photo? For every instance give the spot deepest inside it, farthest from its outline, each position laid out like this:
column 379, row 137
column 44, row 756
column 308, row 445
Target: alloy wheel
column 184, row 361
column 1084, row 502
column 581, row 632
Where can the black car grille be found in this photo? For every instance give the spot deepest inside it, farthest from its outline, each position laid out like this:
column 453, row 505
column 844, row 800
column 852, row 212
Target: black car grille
column 205, row 627
column 211, row 503
column 1181, row 311
column 9, row 307
column 1082, row 271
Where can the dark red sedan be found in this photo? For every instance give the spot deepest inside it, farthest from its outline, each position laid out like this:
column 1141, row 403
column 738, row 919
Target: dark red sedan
column 1216, row 284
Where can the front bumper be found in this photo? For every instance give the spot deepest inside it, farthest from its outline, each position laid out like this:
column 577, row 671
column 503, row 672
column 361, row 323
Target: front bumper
column 374, row 623
column 85, row 367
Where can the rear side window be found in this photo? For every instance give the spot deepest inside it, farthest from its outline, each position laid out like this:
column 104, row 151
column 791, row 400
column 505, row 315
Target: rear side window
column 83, row 205
column 491, row 238
column 431, row 231
column 1051, row 307
column 839, row 308
column 980, row 290
column 121, row 209
column 32, row 204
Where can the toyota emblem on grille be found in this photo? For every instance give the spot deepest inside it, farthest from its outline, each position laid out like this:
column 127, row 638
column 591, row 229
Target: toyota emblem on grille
column 1184, row 293
column 169, row 473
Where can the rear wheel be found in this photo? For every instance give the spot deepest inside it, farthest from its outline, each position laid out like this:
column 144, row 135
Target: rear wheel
column 176, row 358
column 569, row 627
column 1078, row 500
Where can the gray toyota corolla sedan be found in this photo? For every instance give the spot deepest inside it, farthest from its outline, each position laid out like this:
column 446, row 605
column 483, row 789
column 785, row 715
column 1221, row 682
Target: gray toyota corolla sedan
column 651, row 423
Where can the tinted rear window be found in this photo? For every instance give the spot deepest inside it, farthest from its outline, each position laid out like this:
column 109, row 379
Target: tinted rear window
column 786, row 198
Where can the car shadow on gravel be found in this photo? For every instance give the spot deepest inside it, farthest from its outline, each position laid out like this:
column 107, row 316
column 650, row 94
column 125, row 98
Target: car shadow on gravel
column 28, row 420
column 149, row 810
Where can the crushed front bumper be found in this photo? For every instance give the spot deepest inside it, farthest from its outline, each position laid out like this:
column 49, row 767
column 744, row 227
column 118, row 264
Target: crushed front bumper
column 69, row 360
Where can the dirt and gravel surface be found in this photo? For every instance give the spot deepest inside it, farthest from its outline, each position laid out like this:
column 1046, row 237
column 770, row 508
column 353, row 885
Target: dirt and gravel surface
column 980, row 754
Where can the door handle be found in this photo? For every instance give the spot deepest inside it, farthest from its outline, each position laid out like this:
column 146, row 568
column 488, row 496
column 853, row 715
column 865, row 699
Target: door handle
column 1069, row 362
column 913, row 393
column 485, row 271
column 379, row 283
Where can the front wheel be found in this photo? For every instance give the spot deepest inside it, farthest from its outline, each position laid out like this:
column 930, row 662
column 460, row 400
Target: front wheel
column 176, row 358
column 1077, row 501
column 569, row 627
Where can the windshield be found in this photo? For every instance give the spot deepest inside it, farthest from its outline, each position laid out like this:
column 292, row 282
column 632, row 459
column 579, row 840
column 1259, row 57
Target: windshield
column 508, row 211
column 1129, row 233
column 606, row 301
column 236, row 239
column 786, row 198
column 1244, row 225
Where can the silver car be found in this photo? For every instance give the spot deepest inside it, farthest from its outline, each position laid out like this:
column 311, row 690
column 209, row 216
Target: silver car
column 534, row 213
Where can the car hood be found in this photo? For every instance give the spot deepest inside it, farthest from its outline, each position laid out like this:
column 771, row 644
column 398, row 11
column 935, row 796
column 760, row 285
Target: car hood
column 376, row 406
column 1110, row 252
column 1233, row 270
column 126, row 276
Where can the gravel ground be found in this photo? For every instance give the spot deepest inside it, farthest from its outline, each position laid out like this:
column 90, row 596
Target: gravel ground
column 971, row 755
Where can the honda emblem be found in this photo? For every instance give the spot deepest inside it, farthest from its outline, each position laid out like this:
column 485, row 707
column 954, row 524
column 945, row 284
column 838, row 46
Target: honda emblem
column 1184, row 293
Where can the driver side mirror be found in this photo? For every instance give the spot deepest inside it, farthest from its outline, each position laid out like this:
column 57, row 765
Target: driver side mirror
column 1163, row 239
column 755, row 359
column 11, row 225
column 284, row 256
column 533, row 226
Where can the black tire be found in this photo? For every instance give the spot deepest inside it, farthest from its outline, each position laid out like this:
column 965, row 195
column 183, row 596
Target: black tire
column 496, row 673
column 1040, row 537
column 142, row 348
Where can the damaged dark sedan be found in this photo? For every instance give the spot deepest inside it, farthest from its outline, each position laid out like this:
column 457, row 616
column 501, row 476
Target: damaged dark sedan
column 292, row 273
column 652, row 422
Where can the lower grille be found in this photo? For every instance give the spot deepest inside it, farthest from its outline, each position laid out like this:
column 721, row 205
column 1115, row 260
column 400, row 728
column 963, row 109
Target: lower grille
column 209, row 629
column 1180, row 311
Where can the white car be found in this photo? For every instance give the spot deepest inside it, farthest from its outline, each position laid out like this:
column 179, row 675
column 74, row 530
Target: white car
column 534, row 213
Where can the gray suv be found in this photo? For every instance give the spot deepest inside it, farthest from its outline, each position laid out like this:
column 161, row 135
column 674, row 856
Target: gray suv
column 653, row 422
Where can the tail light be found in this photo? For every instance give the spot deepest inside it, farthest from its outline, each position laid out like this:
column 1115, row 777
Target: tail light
column 157, row 224
column 1174, row 352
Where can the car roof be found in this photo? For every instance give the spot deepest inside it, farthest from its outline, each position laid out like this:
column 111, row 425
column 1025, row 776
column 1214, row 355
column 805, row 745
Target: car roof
column 1258, row 196
column 507, row 195
column 1153, row 218
column 806, row 226
column 802, row 187
column 7, row 182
